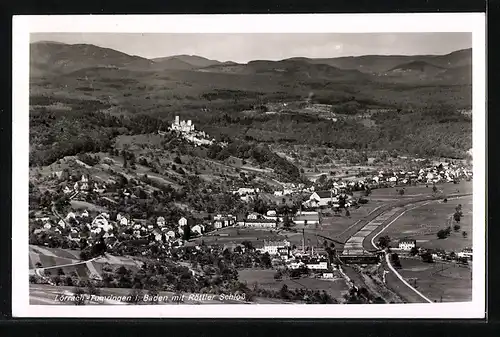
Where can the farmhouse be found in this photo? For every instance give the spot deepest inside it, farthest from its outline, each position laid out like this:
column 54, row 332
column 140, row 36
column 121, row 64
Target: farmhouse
column 321, row 198
column 407, row 244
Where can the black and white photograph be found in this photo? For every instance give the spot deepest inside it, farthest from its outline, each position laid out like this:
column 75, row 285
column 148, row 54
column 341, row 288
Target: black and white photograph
column 164, row 168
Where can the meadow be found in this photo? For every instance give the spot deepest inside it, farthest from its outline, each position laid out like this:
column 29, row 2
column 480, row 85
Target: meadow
column 423, row 223
column 444, row 282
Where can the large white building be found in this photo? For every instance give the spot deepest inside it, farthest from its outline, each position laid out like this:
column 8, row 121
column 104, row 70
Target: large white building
column 407, row 244
column 273, row 247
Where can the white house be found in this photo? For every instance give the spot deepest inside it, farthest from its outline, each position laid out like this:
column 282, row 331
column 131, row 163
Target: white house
column 123, row 221
column 321, row 198
column 271, row 213
column 70, row 215
column 62, row 223
column 253, row 216
column 170, row 234
column 85, row 213
column 66, row 190
column 407, row 244
column 182, row 222
column 47, row 225
column 197, row 229
column 160, row 221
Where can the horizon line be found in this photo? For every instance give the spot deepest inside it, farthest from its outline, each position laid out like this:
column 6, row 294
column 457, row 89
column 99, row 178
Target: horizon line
column 242, row 63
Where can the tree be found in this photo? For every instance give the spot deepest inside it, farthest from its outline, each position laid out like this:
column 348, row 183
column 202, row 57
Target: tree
column 456, row 227
column 177, row 160
column 79, row 296
column 464, row 234
column 187, row 232
column 457, row 216
column 434, row 189
column 395, row 260
column 368, row 191
column 401, row 192
column 441, row 234
column 427, row 257
column 383, row 242
column 284, row 293
column 413, row 251
column 287, row 222
column 347, row 213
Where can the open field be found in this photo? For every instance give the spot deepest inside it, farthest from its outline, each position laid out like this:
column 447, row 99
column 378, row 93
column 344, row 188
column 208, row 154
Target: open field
column 83, row 205
column 237, row 235
column 265, row 279
column 439, row 281
column 424, row 222
column 70, row 262
column 420, row 190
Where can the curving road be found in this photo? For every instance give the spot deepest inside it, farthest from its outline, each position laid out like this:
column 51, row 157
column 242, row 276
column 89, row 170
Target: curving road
column 364, row 240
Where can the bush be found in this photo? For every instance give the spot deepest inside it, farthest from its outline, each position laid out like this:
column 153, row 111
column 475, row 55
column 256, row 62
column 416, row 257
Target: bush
column 442, row 234
column 427, row 257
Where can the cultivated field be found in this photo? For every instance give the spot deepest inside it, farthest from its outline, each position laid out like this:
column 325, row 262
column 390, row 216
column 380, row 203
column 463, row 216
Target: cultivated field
column 439, row 281
column 423, row 223
column 265, row 279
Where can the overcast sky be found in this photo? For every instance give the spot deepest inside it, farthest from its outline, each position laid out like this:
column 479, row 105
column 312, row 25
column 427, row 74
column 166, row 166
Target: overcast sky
column 247, row 47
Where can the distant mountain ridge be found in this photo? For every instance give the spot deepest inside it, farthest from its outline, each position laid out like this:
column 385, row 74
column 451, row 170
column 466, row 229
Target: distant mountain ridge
column 52, row 58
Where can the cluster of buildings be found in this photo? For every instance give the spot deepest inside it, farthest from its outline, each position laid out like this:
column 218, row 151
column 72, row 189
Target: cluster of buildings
column 444, row 172
column 247, row 193
column 406, row 245
column 83, row 185
column 295, row 259
column 188, row 132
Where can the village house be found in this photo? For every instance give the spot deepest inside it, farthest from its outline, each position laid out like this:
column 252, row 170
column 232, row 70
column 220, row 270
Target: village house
column 101, row 221
column 160, row 221
column 124, row 221
column 221, row 221
column 197, row 229
column 70, row 215
column 321, row 198
column 170, row 234
column 253, row 216
column 407, row 244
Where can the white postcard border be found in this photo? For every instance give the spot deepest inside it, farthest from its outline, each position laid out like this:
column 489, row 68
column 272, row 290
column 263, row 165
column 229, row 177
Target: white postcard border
column 290, row 23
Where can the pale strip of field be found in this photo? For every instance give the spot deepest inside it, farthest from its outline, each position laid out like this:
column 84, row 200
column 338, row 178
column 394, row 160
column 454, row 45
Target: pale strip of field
column 43, row 251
